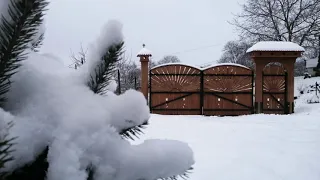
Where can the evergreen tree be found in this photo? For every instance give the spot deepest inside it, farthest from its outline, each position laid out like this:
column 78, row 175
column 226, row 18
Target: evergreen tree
column 17, row 30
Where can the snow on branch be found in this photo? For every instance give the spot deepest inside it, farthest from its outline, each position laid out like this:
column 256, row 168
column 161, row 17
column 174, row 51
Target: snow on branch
column 129, row 110
column 54, row 110
column 160, row 159
column 82, row 128
column 110, row 35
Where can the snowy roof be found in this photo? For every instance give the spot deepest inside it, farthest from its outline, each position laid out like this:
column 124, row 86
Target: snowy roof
column 275, row 46
column 144, row 52
column 311, row 63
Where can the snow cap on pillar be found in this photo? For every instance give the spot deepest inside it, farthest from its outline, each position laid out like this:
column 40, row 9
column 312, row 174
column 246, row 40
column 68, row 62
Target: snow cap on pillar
column 144, row 52
column 275, row 49
column 276, row 46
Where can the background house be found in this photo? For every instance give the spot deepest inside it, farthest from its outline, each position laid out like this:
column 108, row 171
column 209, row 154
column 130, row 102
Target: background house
column 310, row 65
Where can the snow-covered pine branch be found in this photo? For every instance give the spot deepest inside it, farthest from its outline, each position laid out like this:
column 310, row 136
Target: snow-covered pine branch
column 100, row 66
column 102, row 75
column 102, row 56
column 66, row 128
column 18, row 26
column 131, row 123
column 38, row 38
column 6, row 142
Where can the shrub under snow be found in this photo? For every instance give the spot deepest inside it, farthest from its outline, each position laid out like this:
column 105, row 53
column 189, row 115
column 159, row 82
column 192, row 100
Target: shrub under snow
column 313, row 98
column 52, row 106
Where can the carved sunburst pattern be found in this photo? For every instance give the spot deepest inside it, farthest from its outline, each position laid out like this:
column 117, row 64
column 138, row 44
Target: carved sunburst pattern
column 175, row 78
column 225, row 79
column 274, row 68
column 274, row 83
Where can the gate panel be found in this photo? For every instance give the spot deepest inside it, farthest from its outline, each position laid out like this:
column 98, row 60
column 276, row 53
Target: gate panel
column 228, row 90
column 175, row 90
column 274, row 89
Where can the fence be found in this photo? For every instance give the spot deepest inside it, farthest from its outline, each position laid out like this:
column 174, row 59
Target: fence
column 218, row 90
column 315, row 88
column 123, row 85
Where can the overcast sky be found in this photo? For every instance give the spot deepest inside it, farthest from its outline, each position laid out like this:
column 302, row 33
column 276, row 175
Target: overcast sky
column 167, row 27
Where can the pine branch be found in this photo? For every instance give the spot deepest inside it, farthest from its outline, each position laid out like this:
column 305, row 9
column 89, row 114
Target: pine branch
column 133, row 132
column 184, row 176
column 15, row 36
column 37, row 43
column 35, row 170
column 5, row 150
column 100, row 79
column 90, row 171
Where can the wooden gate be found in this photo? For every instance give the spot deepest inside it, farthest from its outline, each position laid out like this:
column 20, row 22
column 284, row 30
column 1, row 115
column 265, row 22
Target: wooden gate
column 185, row 90
column 175, row 90
column 274, row 90
column 228, row 90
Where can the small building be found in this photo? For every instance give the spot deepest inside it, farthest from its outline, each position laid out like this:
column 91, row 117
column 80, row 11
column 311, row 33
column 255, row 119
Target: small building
column 311, row 64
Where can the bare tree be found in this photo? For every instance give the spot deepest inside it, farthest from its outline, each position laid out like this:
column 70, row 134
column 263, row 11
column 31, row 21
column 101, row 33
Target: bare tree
column 129, row 73
column 235, row 52
column 299, row 67
column 79, row 59
column 168, row 59
column 280, row 20
column 152, row 64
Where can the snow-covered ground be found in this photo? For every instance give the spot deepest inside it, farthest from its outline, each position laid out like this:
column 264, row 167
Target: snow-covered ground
column 254, row 147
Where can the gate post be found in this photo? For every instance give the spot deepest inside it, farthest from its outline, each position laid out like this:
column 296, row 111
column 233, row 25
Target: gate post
column 285, row 53
column 144, row 56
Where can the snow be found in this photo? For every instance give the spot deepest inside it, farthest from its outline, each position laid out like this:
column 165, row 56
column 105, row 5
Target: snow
column 250, row 147
column 202, row 69
column 302, row 84
column 177, row 64
column 313, row 98
column 224, row 64
column 275, row 46
column 311, row 63
column 144, row 52
column 50, row 105
column 110, row 34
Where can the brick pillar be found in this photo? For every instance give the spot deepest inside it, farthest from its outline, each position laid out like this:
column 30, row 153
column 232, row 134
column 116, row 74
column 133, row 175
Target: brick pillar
column 144, row 56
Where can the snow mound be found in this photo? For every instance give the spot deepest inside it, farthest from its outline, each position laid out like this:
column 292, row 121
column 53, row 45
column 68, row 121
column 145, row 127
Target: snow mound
column 51, row 106
column 313, row 98
column 276, row 46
